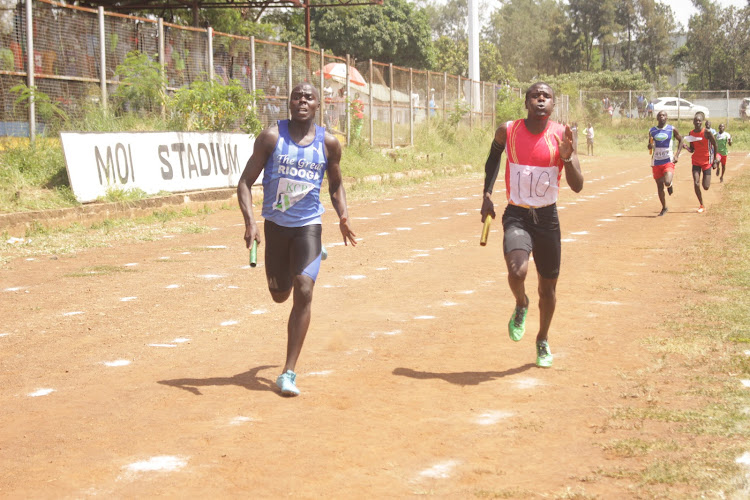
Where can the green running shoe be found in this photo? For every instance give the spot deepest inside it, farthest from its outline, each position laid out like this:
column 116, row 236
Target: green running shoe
column 517, row 323
column 285, row 382
column 543, row 354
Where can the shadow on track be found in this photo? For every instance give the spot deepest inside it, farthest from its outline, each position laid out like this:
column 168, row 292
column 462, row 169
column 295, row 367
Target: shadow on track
column 249, row 380
column 462, row 378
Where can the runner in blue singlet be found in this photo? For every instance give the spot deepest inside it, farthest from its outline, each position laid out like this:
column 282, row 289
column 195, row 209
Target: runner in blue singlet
column 293, row 156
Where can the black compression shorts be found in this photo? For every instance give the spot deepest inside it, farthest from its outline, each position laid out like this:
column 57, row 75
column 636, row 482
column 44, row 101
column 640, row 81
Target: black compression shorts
column 534, row 230
column 291, row 251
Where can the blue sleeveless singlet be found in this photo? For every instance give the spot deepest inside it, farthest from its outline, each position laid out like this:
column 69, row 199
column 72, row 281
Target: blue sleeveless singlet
column 292, row 178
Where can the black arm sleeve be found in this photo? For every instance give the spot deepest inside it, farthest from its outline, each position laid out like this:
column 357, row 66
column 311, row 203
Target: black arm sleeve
column 492, row 166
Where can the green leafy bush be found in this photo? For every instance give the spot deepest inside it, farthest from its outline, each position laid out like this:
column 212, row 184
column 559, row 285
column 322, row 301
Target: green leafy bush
column 47, row 111
column 142, row 84
column 213, row 106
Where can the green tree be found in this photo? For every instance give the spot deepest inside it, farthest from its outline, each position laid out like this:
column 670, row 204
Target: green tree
column 395, row 32
column 451, row 56
column 730, row 50
column 593, row 21
column 655, row 25
column 703, row 42
column 518, row 29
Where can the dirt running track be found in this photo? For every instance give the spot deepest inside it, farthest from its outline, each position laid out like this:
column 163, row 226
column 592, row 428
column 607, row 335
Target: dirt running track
column 161, row 375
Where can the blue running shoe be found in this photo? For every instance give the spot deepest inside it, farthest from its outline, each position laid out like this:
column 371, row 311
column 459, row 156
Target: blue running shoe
column 543, row 354
column 286, row 383
column 517, row 323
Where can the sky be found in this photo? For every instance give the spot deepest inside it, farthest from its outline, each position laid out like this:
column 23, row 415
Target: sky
column 683, row 9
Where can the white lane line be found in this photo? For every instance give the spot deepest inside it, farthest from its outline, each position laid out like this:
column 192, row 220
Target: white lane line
column 162, row 345
column 72, row 313
column 180, row 340
column 230, row 322
column 527, row 383
column 216, row 247
column 164, row 463
column 118, row 362
column 172, row 286
column 127, row 299
column 259, row 311
column 211, row 276
column 440, row 470
column 40, row 392
column 391, row 333
column 322, row 373
column 425, row 316
column 240, row 420
column 492, row 417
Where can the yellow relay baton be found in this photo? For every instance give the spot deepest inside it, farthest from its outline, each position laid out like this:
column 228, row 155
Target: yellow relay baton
column 485, row 230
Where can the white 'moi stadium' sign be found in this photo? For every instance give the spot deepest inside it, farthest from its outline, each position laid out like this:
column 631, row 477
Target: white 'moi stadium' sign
column 153, row 161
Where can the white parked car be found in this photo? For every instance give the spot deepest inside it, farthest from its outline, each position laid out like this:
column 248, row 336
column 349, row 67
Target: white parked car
column 687, row 108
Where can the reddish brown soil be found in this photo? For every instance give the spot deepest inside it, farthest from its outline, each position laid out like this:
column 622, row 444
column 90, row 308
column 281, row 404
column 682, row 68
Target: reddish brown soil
column 409, row 382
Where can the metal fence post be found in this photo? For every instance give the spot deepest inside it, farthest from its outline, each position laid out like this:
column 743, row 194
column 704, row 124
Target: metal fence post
column 347, row 103
column 445, row 90
column 481, row 105
column 494, row 107
column 162, row 65
column 324, row 107
column 429, row 99
column 580, row 101
column 727, row 107
column 372, row 110
column 392, row 114
column 289, row 75
column 30, row 69
column 630, row 104
column 253, row 83
column 471, row 104
column 210, row 35
column 411, row 107
column 102, row 57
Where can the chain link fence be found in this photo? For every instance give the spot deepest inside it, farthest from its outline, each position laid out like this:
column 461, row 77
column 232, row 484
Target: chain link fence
column 72, row 53
column 719, row 105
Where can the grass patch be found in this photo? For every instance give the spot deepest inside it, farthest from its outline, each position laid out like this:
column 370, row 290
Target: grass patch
column 88, row 272
column 636, row 447
column 706, row 349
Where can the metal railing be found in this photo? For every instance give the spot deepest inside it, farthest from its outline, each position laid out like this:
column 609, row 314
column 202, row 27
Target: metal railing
column 71, row 54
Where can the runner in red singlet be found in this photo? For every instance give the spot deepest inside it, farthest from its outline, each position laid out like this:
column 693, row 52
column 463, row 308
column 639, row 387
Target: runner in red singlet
column 538, row 152
column 702, row 156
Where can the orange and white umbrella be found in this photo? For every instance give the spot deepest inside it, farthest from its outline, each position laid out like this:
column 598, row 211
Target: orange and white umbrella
column 337, row 71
